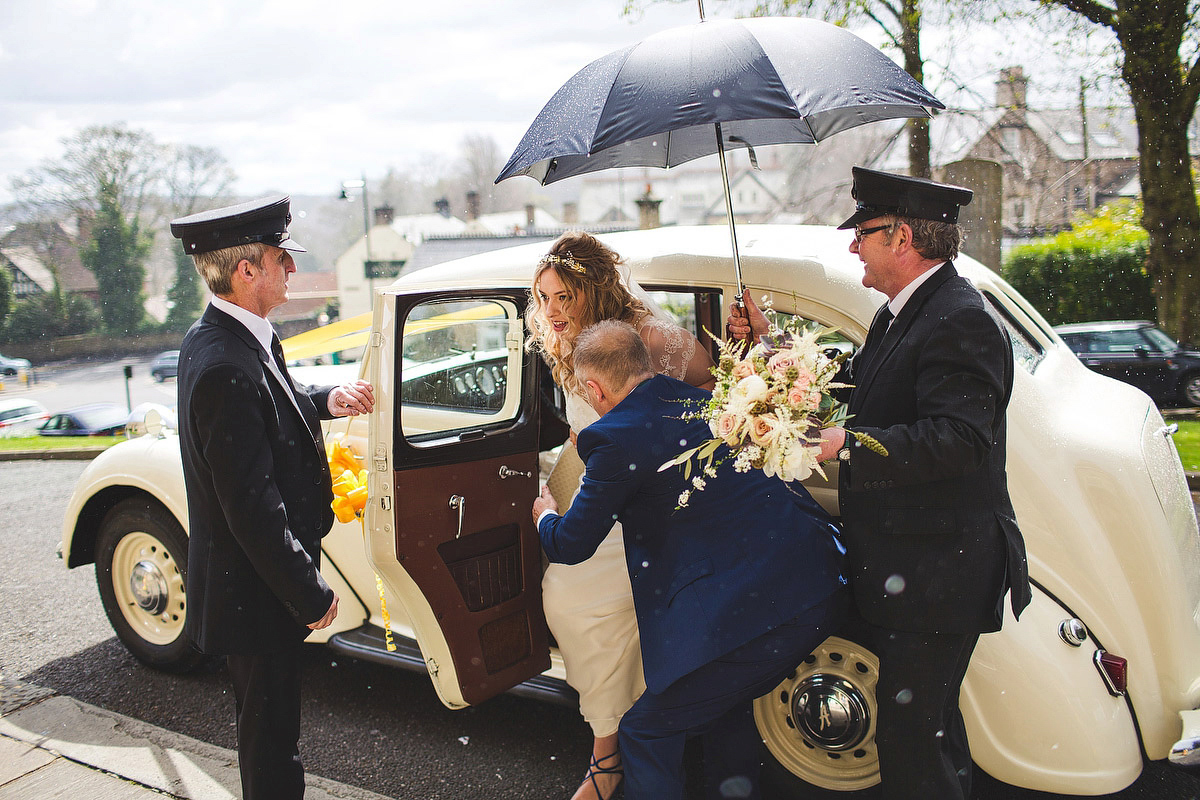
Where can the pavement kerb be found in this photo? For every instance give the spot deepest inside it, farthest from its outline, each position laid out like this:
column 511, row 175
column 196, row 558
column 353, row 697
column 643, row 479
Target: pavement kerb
column 124, row 757
column 65, row 454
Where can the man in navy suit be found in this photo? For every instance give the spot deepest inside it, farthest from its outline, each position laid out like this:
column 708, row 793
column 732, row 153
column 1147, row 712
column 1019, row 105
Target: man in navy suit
column 257, row 483
column 731, row 591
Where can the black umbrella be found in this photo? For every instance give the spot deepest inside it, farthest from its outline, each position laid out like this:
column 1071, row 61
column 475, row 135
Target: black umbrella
column 700, row 89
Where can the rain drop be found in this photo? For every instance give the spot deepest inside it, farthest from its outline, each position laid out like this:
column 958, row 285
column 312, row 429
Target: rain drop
column 904, row 697
column 645, row 563
column 464, row 739
column 716, row 92
column 737, row 786
column 632, row 467
column 894, row 584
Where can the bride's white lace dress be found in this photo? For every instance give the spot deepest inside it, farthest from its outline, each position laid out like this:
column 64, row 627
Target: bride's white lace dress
column 589, row 606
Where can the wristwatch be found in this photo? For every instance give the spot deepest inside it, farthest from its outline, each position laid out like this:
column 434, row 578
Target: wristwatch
column 844, row 453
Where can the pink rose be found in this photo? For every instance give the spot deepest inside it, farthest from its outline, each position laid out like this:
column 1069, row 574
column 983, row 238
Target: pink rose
column 728, row 428
column 780, row 362
column 742, row 369
column 763, row 430
column 804, row 379
column 797, row 395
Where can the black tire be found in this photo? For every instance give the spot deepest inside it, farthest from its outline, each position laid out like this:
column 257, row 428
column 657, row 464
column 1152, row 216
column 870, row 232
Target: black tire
column 159, row 377
column 1189, row 389
column 141, row 571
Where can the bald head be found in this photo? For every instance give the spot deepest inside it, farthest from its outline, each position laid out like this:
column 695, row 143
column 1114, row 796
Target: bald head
column 610, row 359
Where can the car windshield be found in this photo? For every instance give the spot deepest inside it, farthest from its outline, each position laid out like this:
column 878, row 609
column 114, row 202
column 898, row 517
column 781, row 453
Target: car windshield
column 1160, row 339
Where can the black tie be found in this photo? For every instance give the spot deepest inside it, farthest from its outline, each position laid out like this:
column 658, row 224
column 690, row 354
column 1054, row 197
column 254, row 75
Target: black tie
column 277, row 354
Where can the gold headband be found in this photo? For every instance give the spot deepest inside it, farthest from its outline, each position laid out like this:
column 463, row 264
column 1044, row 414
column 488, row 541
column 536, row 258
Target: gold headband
column 567, row 261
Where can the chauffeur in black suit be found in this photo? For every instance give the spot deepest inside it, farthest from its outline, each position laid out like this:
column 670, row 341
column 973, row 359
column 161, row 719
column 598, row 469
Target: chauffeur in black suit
column 257, row 482
column 933, row 542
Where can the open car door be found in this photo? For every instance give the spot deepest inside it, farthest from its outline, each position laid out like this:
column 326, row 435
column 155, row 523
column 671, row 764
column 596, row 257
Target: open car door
column 454, row 472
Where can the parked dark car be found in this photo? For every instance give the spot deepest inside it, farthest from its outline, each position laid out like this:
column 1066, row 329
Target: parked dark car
column 165, row 365
column 1140, row 354
column 96, row 419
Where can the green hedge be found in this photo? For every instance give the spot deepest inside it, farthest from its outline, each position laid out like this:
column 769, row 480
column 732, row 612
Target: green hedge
column 1094, row 271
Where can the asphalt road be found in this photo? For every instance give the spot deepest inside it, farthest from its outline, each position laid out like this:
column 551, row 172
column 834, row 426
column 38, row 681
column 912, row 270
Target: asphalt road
column 363, row 724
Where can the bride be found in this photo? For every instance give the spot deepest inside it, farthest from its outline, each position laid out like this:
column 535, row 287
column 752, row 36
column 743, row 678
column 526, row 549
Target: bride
column 589, row 606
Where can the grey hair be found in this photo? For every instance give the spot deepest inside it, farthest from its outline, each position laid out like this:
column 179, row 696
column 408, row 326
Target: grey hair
column 612, row 352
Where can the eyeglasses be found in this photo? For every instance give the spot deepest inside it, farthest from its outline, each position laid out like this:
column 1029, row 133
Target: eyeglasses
column 862, row 233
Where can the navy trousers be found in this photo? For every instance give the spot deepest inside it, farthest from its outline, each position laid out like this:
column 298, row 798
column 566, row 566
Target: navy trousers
column 267, row 690
column 714, row 702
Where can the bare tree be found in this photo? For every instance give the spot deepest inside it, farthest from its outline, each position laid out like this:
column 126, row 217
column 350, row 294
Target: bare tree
column 194, row 178
column 100, row 163
column 1159, row 42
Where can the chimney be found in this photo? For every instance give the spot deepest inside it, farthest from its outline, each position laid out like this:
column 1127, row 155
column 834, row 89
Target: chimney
column 384, row 215
column 442, row 207
column 529, row 216
column 570, row 214
column 472, row 205
column 1010, row 88
column 648, row 210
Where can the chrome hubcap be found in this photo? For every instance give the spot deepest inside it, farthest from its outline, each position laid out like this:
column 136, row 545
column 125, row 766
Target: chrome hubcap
column 830, row 712
column 149, row 587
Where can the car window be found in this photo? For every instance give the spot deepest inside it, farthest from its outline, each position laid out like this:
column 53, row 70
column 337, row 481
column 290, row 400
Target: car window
column 1027, row 351
column 694, row 309
column 456, row 359
column 1118, row 341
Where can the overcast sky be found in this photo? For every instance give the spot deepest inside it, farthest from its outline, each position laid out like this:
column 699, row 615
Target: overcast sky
column 299, row 94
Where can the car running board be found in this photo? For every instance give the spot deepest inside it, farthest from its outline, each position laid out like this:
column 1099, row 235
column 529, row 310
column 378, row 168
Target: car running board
column 368, row 643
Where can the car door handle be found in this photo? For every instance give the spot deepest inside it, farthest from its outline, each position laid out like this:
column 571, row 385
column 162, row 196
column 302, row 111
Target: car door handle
column 508, row 472
column 459, row 502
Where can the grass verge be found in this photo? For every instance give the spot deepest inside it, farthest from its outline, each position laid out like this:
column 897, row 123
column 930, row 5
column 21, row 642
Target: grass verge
column 56, row 442
column 1187, row 442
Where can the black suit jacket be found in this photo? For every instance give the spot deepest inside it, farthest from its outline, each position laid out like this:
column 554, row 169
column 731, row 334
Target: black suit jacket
column 932, row 538
column 258, row 491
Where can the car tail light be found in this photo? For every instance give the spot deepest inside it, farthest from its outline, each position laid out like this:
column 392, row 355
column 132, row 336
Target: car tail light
column 1114, row 670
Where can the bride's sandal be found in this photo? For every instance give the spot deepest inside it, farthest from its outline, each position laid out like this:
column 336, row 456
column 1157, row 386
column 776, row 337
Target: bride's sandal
column 597, row 767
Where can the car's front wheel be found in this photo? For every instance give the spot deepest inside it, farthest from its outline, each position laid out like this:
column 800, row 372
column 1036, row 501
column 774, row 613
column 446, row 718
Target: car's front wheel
column 819, row 724
column 141, row 569
column 159, row 377
column 1189, row 390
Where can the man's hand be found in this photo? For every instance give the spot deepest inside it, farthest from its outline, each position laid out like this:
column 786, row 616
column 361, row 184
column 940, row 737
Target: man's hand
column 746, row 322
column 330, row 615
column 832, row 440
column 352, row 399
column 545, row 502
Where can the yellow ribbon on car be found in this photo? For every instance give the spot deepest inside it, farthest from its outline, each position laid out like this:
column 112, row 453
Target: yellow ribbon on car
column 349, row 501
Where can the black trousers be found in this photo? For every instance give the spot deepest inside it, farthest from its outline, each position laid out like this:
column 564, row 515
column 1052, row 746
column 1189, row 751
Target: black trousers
column 922, row 743
column 267, row 690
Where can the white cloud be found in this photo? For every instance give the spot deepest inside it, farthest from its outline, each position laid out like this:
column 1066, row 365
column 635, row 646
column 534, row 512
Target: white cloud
column 297, row 94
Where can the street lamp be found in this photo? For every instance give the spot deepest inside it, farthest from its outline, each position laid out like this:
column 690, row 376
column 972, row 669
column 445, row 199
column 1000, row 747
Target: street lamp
column 360, row 184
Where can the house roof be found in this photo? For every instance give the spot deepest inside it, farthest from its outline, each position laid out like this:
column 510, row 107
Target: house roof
column 417, row 227
column 27, row 261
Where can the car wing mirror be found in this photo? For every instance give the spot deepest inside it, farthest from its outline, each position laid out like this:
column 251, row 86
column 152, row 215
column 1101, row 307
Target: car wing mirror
column 1141, row 352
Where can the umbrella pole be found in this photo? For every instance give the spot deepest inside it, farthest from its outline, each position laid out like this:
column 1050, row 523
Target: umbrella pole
column 737, row 261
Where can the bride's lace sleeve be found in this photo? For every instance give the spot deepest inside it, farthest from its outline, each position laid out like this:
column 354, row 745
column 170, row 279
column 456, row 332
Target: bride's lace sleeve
column 675, row 352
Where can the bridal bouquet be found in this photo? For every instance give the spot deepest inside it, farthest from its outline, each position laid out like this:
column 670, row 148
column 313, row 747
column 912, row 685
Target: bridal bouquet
column 769, row 406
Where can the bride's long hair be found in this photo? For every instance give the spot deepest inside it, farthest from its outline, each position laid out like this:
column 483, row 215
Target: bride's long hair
column 588, row 269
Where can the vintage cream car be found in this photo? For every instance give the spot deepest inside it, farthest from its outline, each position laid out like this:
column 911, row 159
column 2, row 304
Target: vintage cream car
column 1093, row 680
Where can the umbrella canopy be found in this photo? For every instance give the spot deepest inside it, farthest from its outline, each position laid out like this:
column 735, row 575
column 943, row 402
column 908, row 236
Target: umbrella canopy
column 763, row 80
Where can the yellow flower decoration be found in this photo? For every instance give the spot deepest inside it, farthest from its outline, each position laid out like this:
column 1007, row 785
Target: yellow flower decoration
column 349, row 500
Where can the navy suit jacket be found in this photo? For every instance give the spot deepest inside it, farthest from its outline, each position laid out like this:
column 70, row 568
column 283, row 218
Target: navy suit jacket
column 745, row 555
column 258, row 492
